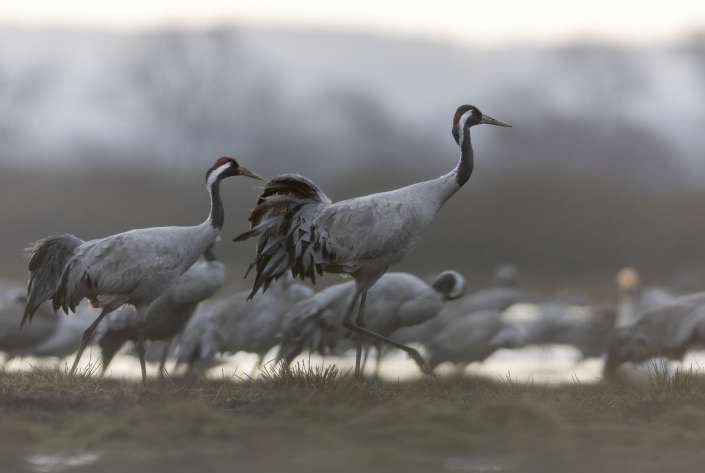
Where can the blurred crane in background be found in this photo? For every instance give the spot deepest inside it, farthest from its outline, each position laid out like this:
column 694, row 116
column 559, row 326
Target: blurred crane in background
column 667, row 331
column 396, row 300
column 11, row 309
column 233, row 324
column 503, row 295
column 167, row 315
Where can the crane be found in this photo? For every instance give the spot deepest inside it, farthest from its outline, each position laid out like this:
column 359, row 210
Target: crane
column 302, row 231
column 505, row 293
column 46, row 322
column 134, row 267
column 588, row 328
column 167, row 315
column 65, row 338
column 668, row 331
column 472, row 337
column 233, row 325
column 397, row 300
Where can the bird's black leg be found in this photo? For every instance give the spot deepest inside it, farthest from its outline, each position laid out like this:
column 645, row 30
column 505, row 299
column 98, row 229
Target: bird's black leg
column 347, row 321
column 141, row 314
column 87, row 337
column 360, row 322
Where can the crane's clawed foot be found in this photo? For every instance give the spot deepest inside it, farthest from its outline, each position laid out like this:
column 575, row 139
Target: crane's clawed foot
column 423, row 364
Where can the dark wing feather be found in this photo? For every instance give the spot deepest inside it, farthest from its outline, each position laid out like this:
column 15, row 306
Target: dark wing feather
column 288, row 240
column 47, row 259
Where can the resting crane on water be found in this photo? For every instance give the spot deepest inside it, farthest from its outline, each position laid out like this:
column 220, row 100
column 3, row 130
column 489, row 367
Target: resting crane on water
column 302, row 231
column 134, row 267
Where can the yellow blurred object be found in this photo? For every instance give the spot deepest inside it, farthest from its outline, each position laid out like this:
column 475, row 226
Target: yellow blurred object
column 627, row 279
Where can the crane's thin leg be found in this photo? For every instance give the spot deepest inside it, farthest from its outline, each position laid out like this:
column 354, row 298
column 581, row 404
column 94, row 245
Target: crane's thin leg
column 162, row 360
column 379, row 361
column 87, row 337
column 365, row 356
column 258, row 365
column 141, row 314
column 360, row 322
column 347, row 323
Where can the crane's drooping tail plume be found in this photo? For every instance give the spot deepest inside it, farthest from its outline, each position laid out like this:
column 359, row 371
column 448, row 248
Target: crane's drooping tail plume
column 288, row 239
column 47, row 259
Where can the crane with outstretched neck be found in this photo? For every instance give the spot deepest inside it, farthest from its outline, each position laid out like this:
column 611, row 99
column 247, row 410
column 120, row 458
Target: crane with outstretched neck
column 302, row 231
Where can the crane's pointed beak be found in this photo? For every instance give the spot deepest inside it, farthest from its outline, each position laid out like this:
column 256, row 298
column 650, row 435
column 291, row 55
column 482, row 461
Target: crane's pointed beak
column 492, row 121
column 244, row 172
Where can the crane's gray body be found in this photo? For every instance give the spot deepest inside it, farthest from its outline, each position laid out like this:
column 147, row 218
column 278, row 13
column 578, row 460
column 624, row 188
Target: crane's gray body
column 668, row 331
column 362, row 236
column 167, row 315
column 589, row 328
column 232, row 325
column 66, row 336
column 469, row 338
column 41, row 329
column 134, row 267
column 586, row 328
column 371, row 233
column 493, row 299
column 397, row 300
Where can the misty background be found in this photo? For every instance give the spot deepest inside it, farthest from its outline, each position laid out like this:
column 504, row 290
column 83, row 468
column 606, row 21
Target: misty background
column 105, row 132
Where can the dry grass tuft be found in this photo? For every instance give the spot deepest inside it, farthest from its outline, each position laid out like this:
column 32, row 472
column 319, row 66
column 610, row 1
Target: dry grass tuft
column 683, row 383
column 324, row 379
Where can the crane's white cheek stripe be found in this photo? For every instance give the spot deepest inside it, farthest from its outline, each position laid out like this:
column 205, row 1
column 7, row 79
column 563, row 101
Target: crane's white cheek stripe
column 461, row 127
column 214, row 175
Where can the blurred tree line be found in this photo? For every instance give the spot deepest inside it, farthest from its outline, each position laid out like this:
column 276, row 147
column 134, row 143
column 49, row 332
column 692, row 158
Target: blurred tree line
column 569, row 199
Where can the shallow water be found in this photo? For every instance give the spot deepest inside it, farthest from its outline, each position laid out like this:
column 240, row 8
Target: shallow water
column 540, row 365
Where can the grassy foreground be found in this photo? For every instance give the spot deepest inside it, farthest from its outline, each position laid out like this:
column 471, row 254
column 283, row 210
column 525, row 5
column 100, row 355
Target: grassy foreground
column 310, row 419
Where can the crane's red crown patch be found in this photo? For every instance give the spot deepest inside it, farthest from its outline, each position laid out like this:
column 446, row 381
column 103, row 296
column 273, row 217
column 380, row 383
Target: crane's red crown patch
column 220, row 162
column 457, row 116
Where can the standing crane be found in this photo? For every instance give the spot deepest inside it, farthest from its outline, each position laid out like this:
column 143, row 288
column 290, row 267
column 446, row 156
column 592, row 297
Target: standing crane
column 134, row 267
column 302, row 231
column 168, row 314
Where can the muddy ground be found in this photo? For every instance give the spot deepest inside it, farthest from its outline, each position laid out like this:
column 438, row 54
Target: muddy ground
column 310, row 420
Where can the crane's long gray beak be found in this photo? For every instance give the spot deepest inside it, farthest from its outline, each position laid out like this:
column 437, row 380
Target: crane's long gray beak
column 492, row 121
column 244, row 172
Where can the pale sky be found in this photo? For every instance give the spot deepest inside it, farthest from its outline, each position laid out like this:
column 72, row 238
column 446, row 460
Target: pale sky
column 479, row 22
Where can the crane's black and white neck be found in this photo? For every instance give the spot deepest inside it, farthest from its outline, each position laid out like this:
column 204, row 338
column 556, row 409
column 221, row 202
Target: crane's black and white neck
column 224, row 167
column 465, row 117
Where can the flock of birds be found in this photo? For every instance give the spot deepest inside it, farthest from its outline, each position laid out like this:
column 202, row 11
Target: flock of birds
column 148, row 284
